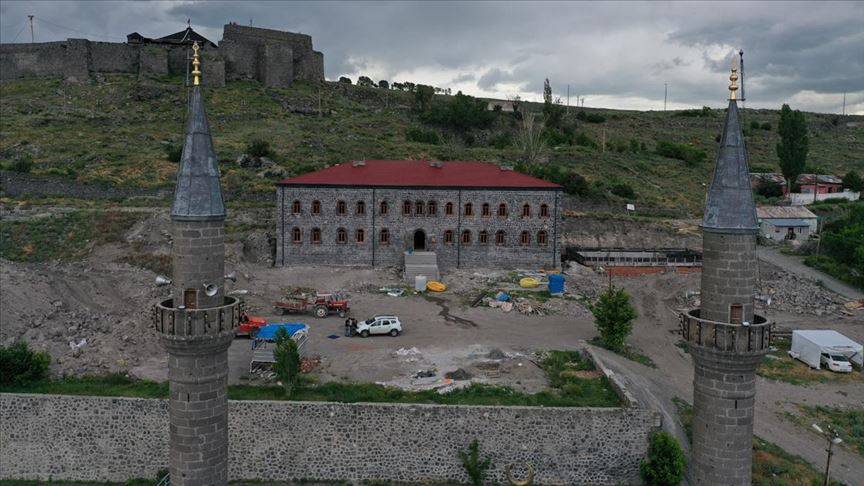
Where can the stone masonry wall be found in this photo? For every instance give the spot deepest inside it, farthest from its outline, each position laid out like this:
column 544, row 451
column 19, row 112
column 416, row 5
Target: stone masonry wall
column 18, row 184
column 402, row 228
column 728, row 274
column 113, row 439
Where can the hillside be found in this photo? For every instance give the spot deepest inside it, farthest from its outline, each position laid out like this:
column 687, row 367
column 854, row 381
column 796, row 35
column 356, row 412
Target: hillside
column 117, row 130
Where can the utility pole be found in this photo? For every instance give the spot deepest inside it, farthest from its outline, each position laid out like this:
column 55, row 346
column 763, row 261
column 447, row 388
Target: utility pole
column 32, row 35
column 844, row 103
column 568, row 98
column 665, row 94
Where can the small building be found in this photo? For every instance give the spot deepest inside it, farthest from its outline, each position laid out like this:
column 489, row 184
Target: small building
column 421, row 213
column 786, row 222
column 757, row 179
column 503, row 105
column 820, row 183
column 626, row 262
column 185, row 37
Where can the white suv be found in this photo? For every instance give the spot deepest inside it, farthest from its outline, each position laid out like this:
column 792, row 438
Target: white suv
column 380, row 325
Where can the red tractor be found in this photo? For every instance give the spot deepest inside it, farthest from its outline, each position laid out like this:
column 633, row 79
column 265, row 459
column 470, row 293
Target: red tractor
column 249, row 325
column 321, row 304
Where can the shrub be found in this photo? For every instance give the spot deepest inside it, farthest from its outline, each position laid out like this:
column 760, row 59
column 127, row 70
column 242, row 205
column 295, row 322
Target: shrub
column 590, row 117
column 415, row 134
column 344, row 80
column 770, row 189
column 462, row 113
column 665, row 463
column 853, row 181
column 556, row 138
column 690, row 155
column 584, row 140
column 259, row 148
column 622, row 189
column 755, row 125
column 23, row 163
column 423, row 97
column 365, row 81
column 474, row 467
column 173, row 152
column 19, row 365
column 383, row 84
column 287, row 361
column 613, row 316
column 634, row 145
column 696, row 112
column 501, row 140
column 761, row 169
column 766, row 126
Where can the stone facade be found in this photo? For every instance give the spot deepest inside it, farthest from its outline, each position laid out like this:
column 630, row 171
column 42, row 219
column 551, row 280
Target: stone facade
column 272, row 57
column 430, row 229
column 728, row 275
column 198, row 251
column 113, row 439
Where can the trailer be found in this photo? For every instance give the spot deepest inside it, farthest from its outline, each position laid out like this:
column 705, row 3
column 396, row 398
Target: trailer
column 264, row 343
column 321, row 304
column 829, row 347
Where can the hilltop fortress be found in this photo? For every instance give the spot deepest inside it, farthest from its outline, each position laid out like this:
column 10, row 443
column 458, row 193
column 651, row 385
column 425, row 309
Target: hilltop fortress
column 272, row 57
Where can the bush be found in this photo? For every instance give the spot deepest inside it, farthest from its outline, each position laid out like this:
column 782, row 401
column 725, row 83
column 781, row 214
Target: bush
column 23, row 163
column 766, row 126
column 365, row 81
column 287, row 361
column 423, row 97
column 501, row 140
column 474, row 467
column 344, row 80
column 590, row 117
column 584, row 140
column 761, row 169
column 462, row 113
column 622, row 189
column 770, row 189
column 665, row 463
column 696, row 112
column 755, row 125
column 690, row 155
column 19, row 365
column 415, row 134
column 383, row 84
column 259, row 148
column 173, row 152
column 853, row 181
column 613, row 316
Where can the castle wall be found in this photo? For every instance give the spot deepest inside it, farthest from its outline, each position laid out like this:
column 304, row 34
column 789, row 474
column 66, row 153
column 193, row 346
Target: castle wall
column 69, row 58
column 401, row 227
column 114, row 439
column 113, row 57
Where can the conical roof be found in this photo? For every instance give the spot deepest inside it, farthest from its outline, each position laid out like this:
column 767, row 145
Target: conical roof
column 198, row 195
column 730, row 206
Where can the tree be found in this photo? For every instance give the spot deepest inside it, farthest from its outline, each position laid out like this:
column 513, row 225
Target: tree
column 344, row 80
column 665, row 463
column 551, row 110
column 365, row 81
column 423, row 97
column 613, row 316
column 853, row 181
column 530, row 139
column 794, row 144
column 383, row 84
column 287, row 361
column 19, row 365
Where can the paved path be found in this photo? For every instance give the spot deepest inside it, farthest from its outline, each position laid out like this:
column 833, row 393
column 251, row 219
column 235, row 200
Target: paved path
column 795, row 265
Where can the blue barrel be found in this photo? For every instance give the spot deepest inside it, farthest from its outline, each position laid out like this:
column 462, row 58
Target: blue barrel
column 556, row 284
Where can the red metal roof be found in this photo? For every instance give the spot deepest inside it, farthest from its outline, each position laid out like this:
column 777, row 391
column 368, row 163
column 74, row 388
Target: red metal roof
column 419, row 173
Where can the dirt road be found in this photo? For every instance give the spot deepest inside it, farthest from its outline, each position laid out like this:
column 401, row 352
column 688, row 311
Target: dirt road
column 795, row 265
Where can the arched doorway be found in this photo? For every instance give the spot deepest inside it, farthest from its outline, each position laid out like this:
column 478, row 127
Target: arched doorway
column 419, row 240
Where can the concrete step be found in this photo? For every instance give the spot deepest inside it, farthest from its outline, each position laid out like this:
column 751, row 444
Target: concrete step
column 430, row 271
column 421, row 258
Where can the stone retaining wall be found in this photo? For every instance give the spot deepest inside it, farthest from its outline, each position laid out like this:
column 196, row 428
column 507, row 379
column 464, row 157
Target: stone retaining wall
column 113, row 439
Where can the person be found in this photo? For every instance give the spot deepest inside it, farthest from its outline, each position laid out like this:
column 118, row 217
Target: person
column 347, row 327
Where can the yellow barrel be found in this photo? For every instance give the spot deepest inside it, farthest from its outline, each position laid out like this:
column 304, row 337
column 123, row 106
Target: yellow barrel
column 434, row 286
column 529, row 282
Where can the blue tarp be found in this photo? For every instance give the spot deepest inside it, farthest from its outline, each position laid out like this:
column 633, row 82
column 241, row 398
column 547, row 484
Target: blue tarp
column 268, row 332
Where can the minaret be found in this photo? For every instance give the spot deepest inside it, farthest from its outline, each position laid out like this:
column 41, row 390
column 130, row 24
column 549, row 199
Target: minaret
column 726, row 338
column 197, row 324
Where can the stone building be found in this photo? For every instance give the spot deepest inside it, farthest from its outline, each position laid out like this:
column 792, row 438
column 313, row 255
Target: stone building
column 726, row 338
column 421, row 213
column 196, row 325
column 272, row 57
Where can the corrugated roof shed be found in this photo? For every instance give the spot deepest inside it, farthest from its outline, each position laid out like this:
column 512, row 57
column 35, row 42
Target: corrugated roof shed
column 784, row 212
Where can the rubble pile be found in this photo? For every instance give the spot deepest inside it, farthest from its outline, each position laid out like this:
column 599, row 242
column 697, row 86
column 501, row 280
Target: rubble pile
column 801, row 295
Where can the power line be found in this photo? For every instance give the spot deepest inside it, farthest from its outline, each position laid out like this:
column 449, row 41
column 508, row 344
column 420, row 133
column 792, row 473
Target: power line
column 19, row 32
column 90, row 34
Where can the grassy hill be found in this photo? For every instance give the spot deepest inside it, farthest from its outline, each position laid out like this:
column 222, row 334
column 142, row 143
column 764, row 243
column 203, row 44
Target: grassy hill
column 117, row 129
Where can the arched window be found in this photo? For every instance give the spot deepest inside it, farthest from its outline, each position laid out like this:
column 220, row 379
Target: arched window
column 500, row 238
column 385, row 236
column 544, row 211
column 296, row 235
column 316, row 235
column 448, row 237
column 384, row 208
column 526, row 210
column 341, row 236
column 361, row 207
column 466, row 237
column 316, row 207
column 406, row 208
column 361, row 236
column 295, row 207
column 483, row 238
column 542, row 238
column 432, row 208
column 525, row 238
column 419, row 208
column 502, row 210
column 469, row 209
column 341, row 207
column 448, row 209
column 485, row 211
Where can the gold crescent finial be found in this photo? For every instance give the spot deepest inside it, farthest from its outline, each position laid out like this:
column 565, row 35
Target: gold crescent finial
column 196, row 65
column 733, row 79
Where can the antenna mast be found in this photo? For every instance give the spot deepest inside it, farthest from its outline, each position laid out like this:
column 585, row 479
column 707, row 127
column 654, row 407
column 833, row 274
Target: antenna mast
column 32, row 35
column 741, row 67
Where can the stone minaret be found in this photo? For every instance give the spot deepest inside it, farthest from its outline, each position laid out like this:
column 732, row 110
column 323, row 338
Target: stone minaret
column 726, row 339
column 197, row 324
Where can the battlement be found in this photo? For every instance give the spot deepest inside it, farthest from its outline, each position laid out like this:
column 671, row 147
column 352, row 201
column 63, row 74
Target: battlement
column 274, row 58
column 736, row 339
column 179, row 323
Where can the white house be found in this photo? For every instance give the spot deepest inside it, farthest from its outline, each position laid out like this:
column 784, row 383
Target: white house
column 786, row 222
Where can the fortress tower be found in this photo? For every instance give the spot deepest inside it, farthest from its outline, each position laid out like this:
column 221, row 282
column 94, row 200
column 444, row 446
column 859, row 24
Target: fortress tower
column 197, row 324
column 726, row 338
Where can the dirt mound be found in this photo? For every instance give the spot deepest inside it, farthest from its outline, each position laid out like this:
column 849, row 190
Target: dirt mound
column 88, row 317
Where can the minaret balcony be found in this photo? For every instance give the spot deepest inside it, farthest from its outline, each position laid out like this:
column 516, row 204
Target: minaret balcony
column 751, row 339
column 180, row 322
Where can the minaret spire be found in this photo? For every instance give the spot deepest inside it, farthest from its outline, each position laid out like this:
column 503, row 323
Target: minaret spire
column 733, row 80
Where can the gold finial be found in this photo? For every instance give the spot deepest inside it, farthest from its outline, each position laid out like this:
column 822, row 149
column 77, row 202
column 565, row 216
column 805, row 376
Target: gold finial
column 196, row 65
column 733, row 79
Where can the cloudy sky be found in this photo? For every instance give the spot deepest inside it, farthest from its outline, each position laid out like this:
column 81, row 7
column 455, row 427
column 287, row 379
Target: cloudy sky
column 616, row 55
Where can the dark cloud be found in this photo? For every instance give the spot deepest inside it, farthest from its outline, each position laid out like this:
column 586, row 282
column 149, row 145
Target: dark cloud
column 616, row 53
